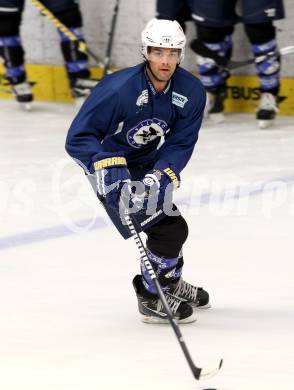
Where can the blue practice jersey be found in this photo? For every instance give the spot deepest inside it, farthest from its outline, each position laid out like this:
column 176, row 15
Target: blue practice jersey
column 124, row 113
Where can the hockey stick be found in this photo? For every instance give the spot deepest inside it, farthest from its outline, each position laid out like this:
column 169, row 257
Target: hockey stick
column 201, row 49
column 110, row 40
column 198, row 373
column 82, row 47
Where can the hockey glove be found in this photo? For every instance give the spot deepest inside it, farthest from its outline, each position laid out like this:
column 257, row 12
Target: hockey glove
column 111, row 170
column 159, row 183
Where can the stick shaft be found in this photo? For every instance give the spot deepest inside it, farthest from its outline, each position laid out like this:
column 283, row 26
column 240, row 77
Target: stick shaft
column 110, row 40
column 195, row 370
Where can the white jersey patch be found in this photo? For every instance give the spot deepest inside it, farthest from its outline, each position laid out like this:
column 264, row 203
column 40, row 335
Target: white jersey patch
column 271, row 12
column 179, row 100
column 143, row 98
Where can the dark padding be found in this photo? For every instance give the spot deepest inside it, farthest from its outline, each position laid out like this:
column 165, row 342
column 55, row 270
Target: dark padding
column 260, row 33
column 9, row 24
column 213, row 34
column 166, row 238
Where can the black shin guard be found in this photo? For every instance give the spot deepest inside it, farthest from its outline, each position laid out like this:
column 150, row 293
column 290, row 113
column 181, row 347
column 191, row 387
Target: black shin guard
column 76, row 61
column 219, row 40
column 11, row 49
column 166, row 238
column 260, row 33
column 262, row 37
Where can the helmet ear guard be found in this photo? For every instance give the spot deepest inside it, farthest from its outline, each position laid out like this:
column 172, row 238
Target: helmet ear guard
column 163, row 33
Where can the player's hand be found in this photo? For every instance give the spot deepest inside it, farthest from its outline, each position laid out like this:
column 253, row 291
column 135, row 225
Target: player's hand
column 111, row 170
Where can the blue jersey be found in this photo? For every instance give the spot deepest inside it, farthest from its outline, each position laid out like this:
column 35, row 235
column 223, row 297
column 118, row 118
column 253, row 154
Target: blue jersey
column 223, row 13
column 124, row 113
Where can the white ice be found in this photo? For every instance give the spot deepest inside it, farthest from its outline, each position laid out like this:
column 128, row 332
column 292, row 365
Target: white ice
column 68, row 315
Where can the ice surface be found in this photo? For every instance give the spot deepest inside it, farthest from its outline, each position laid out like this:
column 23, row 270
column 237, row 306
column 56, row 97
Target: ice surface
column 68, row 316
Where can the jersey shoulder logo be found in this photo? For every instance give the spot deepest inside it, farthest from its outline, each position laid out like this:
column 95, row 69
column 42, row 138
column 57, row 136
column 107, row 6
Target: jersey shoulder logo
column 179, row 100
column 146, row 131
column 143, row 98
column 270, row 12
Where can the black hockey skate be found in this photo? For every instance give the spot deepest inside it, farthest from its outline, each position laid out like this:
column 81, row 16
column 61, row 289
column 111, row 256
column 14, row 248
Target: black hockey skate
column 214, row 108
column 151, row 308
column 82, row 87
column 267, row 110
column 195, row 296
column 23, row 94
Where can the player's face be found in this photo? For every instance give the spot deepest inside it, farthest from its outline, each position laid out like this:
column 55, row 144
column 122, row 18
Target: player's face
column 163, row 62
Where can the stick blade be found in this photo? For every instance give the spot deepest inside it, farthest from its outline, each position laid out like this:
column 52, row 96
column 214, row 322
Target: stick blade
column 207, row 373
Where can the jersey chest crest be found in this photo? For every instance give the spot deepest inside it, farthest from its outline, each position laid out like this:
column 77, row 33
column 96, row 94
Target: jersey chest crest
column 146, row 131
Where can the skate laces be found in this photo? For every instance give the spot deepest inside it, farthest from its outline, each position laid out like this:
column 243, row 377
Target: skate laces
column 173, row 302
column 268, row 102
column 186, row 290
column 82, row 88
column 22, row 88
column 84, row 83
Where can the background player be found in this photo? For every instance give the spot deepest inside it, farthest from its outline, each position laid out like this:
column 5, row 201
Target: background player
column 12, row 52
column 180, row 10
column 215, row 22
column 141, row 124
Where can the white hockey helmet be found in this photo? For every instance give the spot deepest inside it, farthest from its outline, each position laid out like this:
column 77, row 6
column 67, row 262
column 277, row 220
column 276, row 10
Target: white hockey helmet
column 163, row 33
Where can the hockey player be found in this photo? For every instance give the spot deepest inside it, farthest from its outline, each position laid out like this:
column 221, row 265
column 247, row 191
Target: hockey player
column 215, row 22
column 141, row 124
column 179, row 10
column 11, row 49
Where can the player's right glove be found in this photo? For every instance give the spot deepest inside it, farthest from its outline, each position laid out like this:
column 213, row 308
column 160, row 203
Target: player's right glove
column 111, row 170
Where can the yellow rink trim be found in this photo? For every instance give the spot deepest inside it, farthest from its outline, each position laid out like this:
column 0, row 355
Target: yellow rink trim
column 242, row 93
column 51, row 82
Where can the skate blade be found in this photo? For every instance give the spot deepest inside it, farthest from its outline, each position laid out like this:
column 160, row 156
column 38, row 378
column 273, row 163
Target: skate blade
column 217, row 118
column 157, row 320
column 265, row 124
column 79, row 101
column 25, row 106
column 207, row 306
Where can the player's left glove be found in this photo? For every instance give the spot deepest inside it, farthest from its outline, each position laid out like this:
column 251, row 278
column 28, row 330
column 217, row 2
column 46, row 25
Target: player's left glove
column 159, row 183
